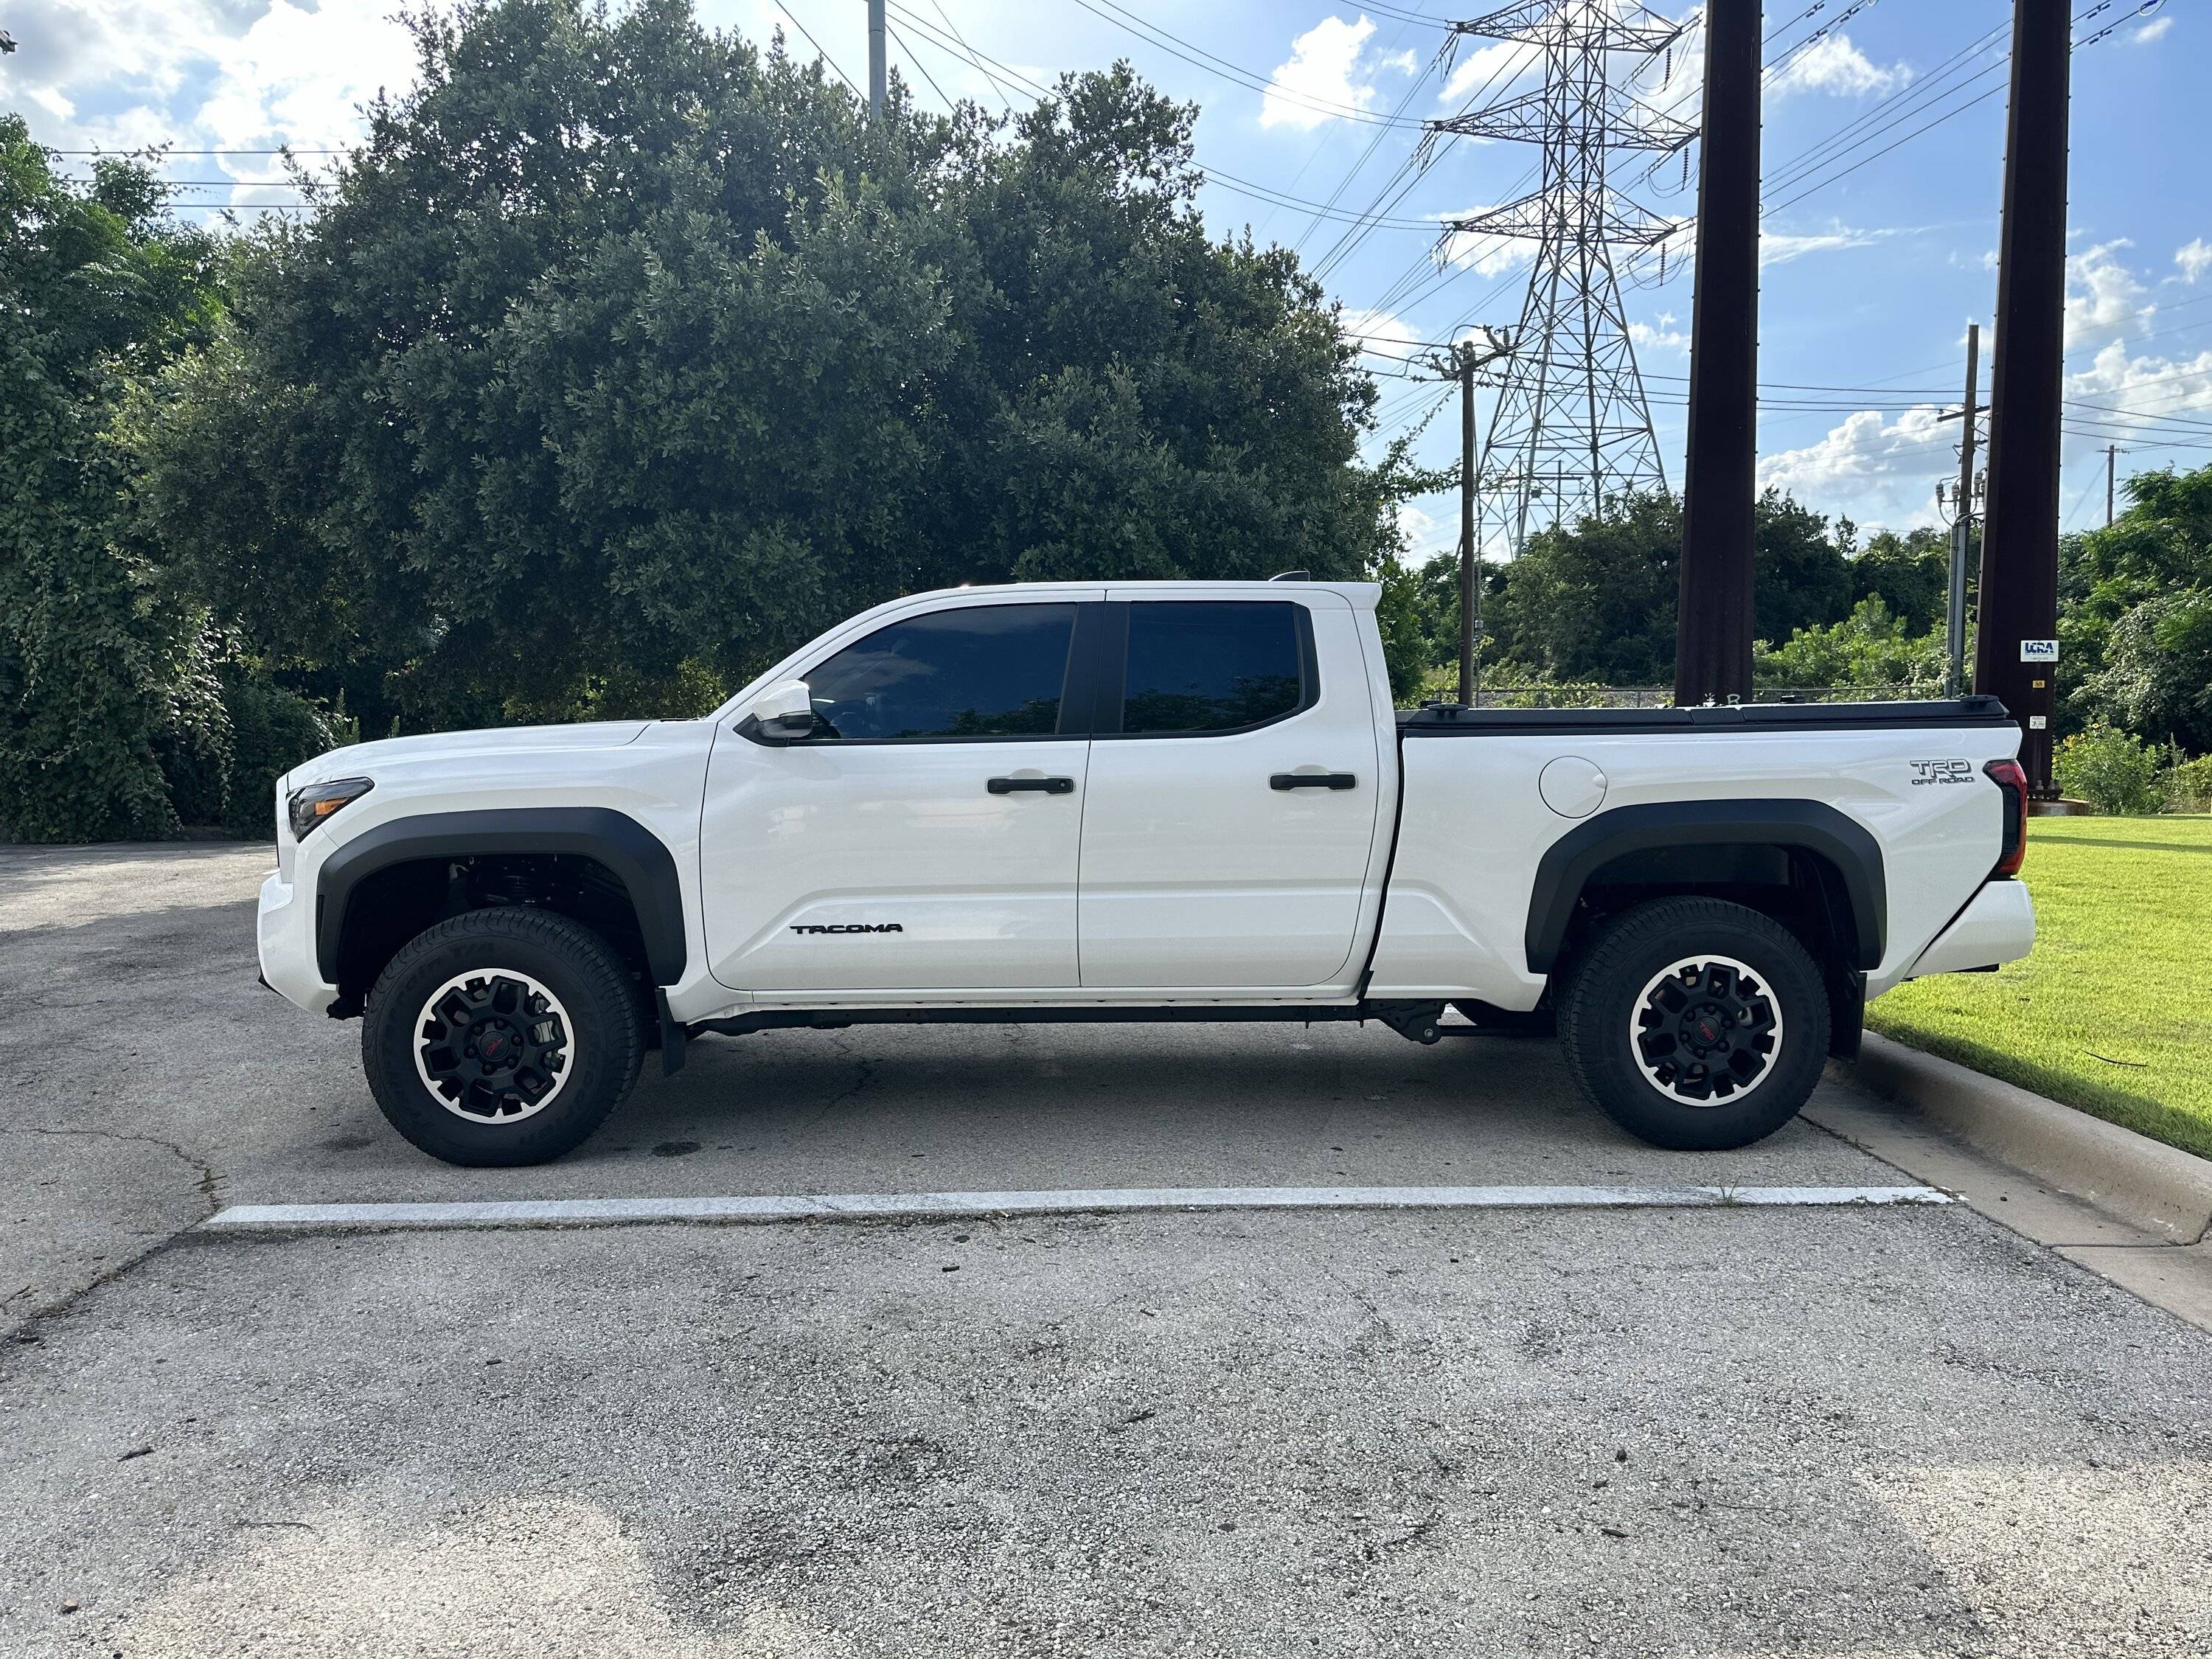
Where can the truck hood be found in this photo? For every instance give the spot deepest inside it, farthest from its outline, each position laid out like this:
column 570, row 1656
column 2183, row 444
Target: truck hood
column 365, row 759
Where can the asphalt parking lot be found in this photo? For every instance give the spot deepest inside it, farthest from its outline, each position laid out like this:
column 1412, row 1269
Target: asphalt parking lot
column 1849, row 1432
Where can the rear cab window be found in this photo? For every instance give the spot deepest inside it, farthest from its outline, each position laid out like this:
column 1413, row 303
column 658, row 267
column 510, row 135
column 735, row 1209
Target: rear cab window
column 1214, row 666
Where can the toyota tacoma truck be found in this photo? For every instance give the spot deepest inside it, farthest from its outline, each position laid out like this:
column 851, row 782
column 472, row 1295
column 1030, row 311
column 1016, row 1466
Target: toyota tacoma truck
column 1139, row 802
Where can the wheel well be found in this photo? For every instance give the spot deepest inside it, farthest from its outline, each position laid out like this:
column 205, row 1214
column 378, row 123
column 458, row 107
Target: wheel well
column 1798, row 887
column 390, row 906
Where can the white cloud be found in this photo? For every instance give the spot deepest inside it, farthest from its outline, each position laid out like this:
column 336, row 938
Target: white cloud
column 298, row 77
column 1777, row 247
column 2195, row 259
column 1384, row 330
column 1661, row 336
column 2152, row 387
column 1881, row 472
column 248, row 74
column 1319, row 72
column 1834, row 66
column 2101, row 293
column 2154, row 30
column 1486, row 254
column 1488, row 69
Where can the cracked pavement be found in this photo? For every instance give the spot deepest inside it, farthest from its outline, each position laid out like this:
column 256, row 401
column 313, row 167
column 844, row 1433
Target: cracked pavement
column 1862, row 1433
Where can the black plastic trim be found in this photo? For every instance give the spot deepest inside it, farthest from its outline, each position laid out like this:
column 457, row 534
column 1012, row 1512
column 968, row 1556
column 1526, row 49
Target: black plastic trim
column 1569, row 862
column 633, row 852
column 1452, row 721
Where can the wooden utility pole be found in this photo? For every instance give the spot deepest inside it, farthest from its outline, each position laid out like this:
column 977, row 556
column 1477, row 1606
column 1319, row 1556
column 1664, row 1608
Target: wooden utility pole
column 1461, row 363
column 2112, row 465
column 1962, row 532
column 2015, row 648
column 878, row 72
column 1714, row 618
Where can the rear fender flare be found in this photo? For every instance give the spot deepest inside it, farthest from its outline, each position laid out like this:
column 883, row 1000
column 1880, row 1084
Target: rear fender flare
column 1811, row 826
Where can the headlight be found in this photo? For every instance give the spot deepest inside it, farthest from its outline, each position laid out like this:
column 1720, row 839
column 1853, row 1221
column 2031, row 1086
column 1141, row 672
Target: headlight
column 318, row 801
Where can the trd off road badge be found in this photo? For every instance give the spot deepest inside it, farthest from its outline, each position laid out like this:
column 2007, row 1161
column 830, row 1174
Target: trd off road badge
column 1941, row 771
column 852, row 927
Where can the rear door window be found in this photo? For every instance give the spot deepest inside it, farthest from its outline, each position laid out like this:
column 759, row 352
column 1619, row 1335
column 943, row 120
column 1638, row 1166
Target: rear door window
column 1212, row 665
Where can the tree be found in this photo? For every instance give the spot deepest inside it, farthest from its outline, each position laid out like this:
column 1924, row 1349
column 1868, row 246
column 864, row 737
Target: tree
column 1910, row 573
column 2134, row 623
column 99, row 673
column 623, row 356
column 1870, row 648
column 1596, row 602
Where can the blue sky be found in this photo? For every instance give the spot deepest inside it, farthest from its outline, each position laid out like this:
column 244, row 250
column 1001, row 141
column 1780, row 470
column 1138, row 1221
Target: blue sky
column 1879, row 251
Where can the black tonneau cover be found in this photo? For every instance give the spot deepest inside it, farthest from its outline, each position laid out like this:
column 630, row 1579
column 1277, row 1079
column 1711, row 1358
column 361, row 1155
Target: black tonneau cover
column 1451, row 720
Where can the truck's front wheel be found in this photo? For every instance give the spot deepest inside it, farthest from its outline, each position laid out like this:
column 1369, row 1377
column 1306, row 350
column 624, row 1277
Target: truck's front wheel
column 1695, row 1024
column 502, row 1037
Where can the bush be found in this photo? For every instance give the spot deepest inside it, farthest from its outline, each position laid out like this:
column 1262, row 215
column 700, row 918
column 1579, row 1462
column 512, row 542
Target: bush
column 2114, row 771
column 231, row 734
column 2189, row 786
column 271, row 731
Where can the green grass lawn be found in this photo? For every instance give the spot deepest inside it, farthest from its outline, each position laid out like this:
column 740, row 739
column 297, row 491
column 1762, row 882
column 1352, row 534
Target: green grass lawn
column 2112, row 1013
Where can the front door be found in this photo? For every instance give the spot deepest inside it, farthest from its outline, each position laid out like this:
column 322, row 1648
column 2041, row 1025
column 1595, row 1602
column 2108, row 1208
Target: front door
column 925, row 838
column 1232, row 797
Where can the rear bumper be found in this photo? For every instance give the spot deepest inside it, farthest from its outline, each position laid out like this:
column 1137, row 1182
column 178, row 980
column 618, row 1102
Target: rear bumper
column 284, row 933
column 1998, row 927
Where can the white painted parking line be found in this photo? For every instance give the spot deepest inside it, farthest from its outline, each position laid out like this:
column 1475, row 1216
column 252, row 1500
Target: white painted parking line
column 806, row 1206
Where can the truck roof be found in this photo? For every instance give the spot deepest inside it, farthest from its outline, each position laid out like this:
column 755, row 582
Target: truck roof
column 1361, row 596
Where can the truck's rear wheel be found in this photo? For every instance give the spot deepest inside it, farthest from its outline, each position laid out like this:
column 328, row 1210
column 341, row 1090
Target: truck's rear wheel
column 502, row 1037
column 1695, row 1024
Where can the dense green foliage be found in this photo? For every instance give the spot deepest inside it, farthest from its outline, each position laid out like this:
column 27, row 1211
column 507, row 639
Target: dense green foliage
column 120, row 707
column 2113, row 771
column 1594, row 603
column 625, row 356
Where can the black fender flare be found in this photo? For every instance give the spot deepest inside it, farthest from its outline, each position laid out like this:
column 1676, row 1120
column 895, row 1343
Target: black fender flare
column 634, row 853
column 1569, row 863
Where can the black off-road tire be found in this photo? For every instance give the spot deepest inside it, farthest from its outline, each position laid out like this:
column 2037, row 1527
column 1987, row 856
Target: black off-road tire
column 591, row 1053
column 1650, row 1084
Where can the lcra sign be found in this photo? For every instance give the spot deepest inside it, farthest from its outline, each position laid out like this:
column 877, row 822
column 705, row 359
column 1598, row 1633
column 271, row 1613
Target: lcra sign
column 2038, row 651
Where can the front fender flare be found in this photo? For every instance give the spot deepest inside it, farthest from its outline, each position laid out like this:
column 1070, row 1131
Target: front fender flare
column 634, row 853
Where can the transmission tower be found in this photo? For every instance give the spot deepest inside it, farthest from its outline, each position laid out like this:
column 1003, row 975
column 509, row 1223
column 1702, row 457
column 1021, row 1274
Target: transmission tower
column 1572, row 429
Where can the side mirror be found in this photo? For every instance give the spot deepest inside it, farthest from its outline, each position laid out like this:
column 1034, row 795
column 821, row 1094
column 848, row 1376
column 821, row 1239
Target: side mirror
column 785, row 711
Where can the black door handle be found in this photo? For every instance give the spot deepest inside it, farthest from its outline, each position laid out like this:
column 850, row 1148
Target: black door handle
column 1042, row 785
column 1312, row 781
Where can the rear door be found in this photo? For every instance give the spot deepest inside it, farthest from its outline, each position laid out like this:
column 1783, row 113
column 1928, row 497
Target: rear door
column 927, row 839
column 1232, row 795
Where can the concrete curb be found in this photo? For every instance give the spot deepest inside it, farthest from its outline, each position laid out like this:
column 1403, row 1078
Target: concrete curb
column 2144, row 1183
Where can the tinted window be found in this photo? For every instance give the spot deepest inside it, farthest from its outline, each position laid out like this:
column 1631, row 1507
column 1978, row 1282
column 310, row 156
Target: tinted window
column 988, row 672
column 1210, row 668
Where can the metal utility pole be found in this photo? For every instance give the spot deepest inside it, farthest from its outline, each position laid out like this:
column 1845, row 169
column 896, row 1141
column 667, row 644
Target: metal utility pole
column 1962, row 532
column 2111, row 462
column 1461, row 363
column 1713, row 618
column 1470, row 591
column 879, row 73
column 2016, row 649
column 1572, row 429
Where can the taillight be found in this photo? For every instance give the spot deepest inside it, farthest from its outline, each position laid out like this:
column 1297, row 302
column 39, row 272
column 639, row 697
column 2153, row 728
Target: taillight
column 2008, row 778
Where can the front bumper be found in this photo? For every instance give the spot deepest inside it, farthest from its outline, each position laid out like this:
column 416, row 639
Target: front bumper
column 284, row 932
column 1998, row 927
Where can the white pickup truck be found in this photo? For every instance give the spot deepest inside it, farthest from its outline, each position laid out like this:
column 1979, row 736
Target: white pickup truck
column 1141, row 802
